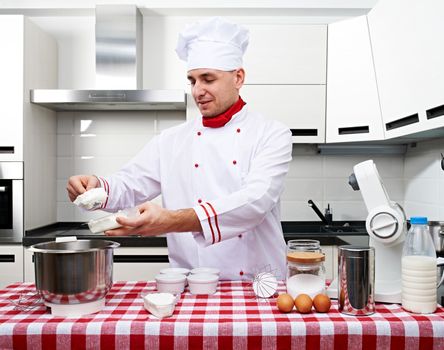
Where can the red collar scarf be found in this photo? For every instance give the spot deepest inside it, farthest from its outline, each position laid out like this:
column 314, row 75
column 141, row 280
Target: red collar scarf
column 222, row 119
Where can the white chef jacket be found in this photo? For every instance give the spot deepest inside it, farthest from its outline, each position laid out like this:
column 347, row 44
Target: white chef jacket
column 231, row 176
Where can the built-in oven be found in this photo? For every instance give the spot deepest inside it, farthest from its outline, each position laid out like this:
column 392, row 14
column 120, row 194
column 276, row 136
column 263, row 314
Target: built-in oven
column 11, row 201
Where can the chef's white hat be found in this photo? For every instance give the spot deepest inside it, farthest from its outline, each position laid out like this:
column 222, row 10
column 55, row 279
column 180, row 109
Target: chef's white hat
column 213, row 43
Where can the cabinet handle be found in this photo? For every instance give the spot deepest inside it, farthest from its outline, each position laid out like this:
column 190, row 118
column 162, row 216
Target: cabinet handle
column 399, row 123
column 3, row 188
column 6, row 149
column 435, row 112
column 304, row 132
column 140, row 258
column 7, row 258
column 354, row 130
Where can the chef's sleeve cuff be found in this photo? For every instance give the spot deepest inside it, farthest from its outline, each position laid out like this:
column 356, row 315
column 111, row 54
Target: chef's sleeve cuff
column 208, row 221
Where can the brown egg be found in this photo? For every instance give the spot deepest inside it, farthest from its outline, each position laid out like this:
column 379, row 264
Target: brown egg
column 303, row 303
column 285, row 303
column 322, row 303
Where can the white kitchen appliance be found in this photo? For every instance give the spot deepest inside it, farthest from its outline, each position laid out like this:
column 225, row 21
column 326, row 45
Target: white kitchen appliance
column 386, row 225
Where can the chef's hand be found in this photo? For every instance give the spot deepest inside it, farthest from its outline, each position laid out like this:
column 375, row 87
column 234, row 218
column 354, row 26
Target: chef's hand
column 79, row 184
column 155, row 220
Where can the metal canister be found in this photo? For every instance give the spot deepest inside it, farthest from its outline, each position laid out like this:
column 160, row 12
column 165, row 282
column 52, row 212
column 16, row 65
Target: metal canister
column 437, row 232
column 356, row 280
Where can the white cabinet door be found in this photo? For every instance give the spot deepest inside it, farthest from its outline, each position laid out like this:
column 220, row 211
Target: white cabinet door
column 11, row 264
column 139, row 264
column 286, row 54
column 11, row 87
column 353, row 112
column 407, row 42
column 28, row 266
column 300, row 107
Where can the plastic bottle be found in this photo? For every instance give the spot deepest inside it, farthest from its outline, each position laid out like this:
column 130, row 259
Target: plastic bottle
column 419, row 269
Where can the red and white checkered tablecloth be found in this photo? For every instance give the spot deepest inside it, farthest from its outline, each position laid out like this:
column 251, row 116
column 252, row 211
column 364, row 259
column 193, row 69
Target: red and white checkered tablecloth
column 231, row 318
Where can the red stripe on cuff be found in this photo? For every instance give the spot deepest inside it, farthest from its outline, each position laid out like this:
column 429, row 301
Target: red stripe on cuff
column 215, row 220
column 107, row 192
column 209, row 222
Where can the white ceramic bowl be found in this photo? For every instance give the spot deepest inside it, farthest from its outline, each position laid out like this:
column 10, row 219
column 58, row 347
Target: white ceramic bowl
column 203, row 283
column 160, row 304
column 170, row 283
column 207, row 270
column 175, row 271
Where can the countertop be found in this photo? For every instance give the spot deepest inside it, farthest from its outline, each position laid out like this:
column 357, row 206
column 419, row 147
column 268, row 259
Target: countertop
column 327, row 235
column 231, row 318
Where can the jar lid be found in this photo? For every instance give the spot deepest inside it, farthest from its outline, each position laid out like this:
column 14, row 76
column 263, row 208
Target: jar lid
column 305, row 257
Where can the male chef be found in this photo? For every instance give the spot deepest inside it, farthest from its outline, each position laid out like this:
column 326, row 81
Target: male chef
column 220, row 175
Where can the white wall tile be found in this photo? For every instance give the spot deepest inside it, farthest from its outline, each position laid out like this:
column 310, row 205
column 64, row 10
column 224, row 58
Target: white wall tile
column 341, row 166
column 422, row 166
column 113, row 122
column 115, row 145
column 99, row 165
column 297, row 211
column 441, row 191
column 167, row 119
column 65, row 123
column 339, row 189
column 65, row 145
column 421, row 190
column 306, row 167
column 62, row 193
column 303, row 189
column 395, row 189
column 65, row 167
column 343, row 211
column 65, row 211
column 390, row 166
column 422, row 209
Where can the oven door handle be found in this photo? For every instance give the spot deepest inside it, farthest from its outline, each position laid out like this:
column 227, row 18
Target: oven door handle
column 3, row 188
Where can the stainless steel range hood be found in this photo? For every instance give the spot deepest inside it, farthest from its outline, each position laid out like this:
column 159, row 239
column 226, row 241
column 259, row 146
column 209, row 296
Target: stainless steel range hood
column 119, row 62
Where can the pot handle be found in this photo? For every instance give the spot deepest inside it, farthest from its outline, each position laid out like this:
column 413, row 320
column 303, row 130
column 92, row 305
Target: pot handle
column 66, row 239
column 440, row 262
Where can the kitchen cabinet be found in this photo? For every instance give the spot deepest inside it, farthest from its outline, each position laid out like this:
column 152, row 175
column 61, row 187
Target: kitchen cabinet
column 286, row 54
column 406, row 39
column 28, row 132
column 11, row 264
column 11, row 87
column 300, row 107
column 139, row 264
column 285, row 79
column 353, row 112
column 28, row 266
column 130, row 263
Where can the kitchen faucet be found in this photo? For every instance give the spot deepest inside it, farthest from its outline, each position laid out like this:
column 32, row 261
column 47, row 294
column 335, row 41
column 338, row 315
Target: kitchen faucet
column 327, row 218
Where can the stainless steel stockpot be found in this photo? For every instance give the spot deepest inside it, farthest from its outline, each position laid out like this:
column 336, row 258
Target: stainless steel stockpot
column 73, row 272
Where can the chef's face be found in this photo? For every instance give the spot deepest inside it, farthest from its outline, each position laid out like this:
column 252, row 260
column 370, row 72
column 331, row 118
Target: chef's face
column 214, row 90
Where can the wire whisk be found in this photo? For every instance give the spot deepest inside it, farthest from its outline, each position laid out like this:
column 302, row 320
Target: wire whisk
column 27, row 301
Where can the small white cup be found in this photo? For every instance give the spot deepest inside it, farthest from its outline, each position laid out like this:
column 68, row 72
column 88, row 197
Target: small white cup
column 175, row 271
column 203, row 283
column 170, row 283
column 207, row 270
